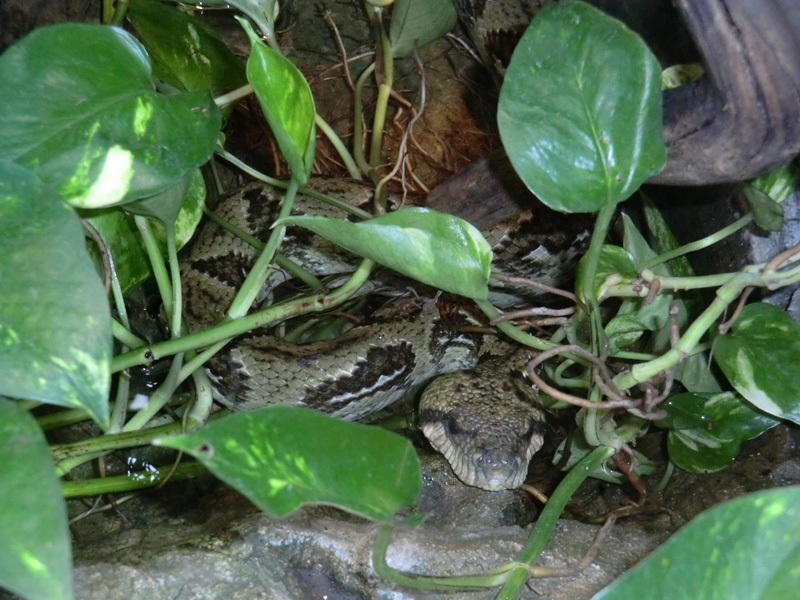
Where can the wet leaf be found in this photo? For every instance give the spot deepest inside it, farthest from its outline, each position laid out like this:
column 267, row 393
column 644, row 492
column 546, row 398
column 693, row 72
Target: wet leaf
column 429, row 246
column 580, row 109
column 282, row 457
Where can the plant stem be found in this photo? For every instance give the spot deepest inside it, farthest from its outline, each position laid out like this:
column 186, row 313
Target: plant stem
column 699, row 244
column 428, row 582
column 175, row 275
column 160, row 398
column 358, row 120
column 511, row 330
column 119, row 13
column 306, row 191
column 689, row 340
column 124, row 336
column 586, row 285
column 229, row 329
column 118, row 441
column 294, row 269
column 157, row 263
column 384, row 91
column 347, row 158
column 543, row 528
column 263, row 266
column 133, row 481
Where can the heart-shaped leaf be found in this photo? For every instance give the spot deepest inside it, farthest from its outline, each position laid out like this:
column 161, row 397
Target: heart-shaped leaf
column 185, row 51
column 80, row 110
column 707, row 430
column 55, row 325
column 282, row 457
column 419, row 22
column 580, row 109
column 759, row 358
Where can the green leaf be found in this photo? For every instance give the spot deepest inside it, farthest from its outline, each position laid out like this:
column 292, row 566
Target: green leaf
column 614, row 265
column 186, row 53
column 79, row 109
column 420, row 21
column 262, row 12
column 745, row 549
column 780, row 183
column 759, row 356
column 654, row 315
column 622, row 331
column 432, row 247
column 580, row 109
column 35, row 553
column 678, row 75
column 164, row 206
column 707, row 430
column 55, row 326
column 286, row 100
column 605, row 471
column 123, row 241
column 693, row 371
column 767, row 213
column 664, row 241
column 282, row 457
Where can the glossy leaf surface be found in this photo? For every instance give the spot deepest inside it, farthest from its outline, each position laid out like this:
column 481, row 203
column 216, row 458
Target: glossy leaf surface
column 186, row 53
column 744, row 549
column 286, row 101
column 89, row 122
column 429, row 246
column 706, row 431
column 55, row 326
column 759, row 356
column 282, row 457
column 115, row 225
column 580, row 109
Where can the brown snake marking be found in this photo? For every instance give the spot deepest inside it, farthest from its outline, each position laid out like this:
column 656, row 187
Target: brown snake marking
column 485, row 421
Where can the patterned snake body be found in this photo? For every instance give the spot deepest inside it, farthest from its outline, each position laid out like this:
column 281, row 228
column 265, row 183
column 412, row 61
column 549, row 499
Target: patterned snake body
column 486, row 420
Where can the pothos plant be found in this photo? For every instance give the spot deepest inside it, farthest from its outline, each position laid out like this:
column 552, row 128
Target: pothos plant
column 86, row 137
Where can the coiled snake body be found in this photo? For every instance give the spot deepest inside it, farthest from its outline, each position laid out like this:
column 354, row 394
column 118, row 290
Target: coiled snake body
column 482, row 414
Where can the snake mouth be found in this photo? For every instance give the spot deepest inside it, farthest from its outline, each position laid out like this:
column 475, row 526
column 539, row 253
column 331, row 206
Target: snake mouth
column 489, row 468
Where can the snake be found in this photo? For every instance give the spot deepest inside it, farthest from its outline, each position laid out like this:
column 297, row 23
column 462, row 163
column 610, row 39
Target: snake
column 479, row 411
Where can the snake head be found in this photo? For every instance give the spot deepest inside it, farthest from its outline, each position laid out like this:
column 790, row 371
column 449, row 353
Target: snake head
column 487, row 428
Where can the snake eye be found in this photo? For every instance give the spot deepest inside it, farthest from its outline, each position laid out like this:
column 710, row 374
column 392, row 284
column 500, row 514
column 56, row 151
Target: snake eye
column 453, row 428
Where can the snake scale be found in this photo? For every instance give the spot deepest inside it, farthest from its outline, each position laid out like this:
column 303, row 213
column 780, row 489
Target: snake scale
column 482, row 414
column 479, row 411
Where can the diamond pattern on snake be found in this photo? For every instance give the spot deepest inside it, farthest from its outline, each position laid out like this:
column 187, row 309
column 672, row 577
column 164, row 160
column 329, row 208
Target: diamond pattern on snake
column 479, row 411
